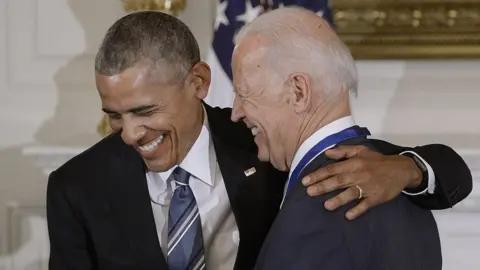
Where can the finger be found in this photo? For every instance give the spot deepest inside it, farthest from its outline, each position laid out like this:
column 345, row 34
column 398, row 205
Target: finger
column 359, row 209
column 344, row 151
column 331, row 184
column 338, row 168
column 335, row 154
column 349, row 195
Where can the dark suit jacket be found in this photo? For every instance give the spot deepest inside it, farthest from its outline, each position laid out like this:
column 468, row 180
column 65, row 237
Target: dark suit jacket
column 99, row 213
column 397, row 235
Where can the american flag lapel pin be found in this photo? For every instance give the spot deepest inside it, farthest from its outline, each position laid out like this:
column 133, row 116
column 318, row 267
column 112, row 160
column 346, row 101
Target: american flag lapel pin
column 250, row 171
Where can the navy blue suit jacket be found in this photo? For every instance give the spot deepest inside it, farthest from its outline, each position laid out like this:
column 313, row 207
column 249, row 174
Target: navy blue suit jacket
column 397, row 235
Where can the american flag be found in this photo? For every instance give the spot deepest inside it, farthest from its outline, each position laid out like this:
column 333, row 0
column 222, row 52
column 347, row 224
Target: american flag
column 231, row 15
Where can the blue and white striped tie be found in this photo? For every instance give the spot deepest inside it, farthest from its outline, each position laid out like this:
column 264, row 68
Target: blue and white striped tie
column 185, row 239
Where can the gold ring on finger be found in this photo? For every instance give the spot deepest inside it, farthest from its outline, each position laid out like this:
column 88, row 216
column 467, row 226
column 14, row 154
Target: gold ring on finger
column 360, row 190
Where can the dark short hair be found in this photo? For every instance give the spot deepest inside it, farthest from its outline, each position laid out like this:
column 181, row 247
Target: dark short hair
column 150, row 38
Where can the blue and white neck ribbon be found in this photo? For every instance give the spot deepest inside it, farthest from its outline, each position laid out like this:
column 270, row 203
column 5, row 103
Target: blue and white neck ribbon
column 321, row 146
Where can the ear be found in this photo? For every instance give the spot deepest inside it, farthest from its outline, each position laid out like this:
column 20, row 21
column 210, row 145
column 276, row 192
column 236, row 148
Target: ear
column 301, row 91
column 201, row 79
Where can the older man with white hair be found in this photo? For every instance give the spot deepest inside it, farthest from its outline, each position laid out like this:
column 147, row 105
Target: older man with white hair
column 292, row 77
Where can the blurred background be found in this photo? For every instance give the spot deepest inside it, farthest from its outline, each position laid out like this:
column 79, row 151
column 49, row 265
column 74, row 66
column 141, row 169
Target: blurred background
column 419, row 66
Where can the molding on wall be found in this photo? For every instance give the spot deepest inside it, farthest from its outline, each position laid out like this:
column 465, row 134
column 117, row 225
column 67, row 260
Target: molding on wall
column 377, row 29
column 28, row 245
column 49, row 158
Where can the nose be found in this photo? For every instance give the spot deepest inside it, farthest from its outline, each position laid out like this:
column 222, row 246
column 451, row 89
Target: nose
column 132, row 131
column 237, row 109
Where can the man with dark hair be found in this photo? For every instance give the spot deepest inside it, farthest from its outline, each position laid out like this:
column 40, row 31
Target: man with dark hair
column 165, row 44
column 178, row 185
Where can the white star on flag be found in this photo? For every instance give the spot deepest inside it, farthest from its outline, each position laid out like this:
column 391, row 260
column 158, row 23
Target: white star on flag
column 250, row 13
column 221, row 17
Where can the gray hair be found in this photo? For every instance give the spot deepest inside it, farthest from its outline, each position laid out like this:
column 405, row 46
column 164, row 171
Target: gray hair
column 149, row 38
column 294, row 47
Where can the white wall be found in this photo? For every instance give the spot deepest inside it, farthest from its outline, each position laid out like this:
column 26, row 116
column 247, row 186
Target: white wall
column 47, row 98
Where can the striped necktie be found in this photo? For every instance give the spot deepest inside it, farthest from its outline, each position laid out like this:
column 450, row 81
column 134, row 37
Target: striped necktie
column 185, row 239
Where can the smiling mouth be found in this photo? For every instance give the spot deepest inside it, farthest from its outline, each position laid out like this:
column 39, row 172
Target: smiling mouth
column 152, row 145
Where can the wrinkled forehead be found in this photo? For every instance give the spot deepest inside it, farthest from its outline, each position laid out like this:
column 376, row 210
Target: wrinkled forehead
column 132, row 88
column 251, row 48
column 249, row 65
column 249, row 76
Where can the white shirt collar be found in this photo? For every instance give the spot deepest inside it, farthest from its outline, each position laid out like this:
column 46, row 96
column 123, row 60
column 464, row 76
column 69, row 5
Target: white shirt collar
column 199, row 162
column 322, row 133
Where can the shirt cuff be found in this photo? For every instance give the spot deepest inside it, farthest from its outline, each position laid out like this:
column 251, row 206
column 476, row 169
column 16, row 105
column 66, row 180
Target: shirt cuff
column 431, row 177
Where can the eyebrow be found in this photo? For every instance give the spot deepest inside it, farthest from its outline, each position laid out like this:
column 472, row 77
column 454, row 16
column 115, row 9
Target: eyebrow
column 132, row 110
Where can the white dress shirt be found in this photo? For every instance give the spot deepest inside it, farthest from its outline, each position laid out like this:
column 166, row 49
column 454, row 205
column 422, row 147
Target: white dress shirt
column 337, row 126
column 220, row 231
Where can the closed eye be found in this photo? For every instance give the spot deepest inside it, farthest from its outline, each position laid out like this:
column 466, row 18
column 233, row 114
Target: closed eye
column 115, row 116
column 145, row 113
column 240, row 95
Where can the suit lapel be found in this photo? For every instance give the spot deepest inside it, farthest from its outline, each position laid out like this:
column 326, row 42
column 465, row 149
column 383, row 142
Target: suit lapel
column 236, row 166
column 251, row 185
column 130, row 200
column 233, row 159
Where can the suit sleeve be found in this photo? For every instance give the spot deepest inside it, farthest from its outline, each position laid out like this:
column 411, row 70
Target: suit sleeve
column 453, row 179
column 68, row 238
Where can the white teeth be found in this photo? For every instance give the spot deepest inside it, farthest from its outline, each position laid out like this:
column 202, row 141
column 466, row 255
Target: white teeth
column 254, row 131
column 151, row 146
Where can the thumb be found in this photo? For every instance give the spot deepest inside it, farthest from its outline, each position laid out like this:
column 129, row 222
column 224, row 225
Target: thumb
column 344, row 151
column 335, row 154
